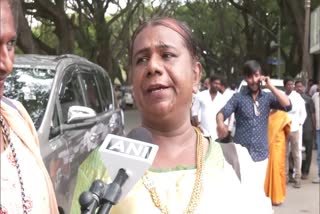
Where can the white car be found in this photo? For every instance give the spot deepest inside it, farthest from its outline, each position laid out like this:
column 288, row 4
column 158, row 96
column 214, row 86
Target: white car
column 128, row 98
column 127, row 95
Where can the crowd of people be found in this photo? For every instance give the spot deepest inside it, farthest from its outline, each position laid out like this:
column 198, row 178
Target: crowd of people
column 201, row 167
column 279, row 128
column 279, row 138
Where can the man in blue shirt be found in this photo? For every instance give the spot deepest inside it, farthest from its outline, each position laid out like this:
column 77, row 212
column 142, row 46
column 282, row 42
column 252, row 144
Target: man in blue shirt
column 251, row 108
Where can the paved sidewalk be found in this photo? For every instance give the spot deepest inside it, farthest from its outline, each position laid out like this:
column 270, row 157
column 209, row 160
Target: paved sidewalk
column 303, row 200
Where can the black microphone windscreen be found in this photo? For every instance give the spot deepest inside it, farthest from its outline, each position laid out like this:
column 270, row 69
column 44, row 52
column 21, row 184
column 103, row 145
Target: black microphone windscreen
column 141, row 134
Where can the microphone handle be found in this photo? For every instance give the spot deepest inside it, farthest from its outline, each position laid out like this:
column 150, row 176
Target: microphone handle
column 105, row 209
column 113, row 192
column 90, row 200
column 91, row 208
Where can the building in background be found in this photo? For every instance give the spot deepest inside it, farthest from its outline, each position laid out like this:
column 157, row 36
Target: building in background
column 315, row 41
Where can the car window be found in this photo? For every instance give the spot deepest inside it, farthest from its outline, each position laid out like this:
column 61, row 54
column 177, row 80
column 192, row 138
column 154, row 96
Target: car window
column 55, row 123
column 31, row 86
column 90, row 87
column 70, row 94
column 106, row 91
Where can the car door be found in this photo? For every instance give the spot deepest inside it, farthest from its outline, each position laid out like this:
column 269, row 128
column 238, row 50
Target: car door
column 70, row 134
column 94, row 135
column 98, row 95
column 73, row 93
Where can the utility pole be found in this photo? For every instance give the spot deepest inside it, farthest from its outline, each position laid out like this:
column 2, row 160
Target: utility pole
column 306, row 58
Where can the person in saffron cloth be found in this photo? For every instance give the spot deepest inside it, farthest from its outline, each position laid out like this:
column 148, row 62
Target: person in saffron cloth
column 190, row 173
column 25, row 184
column 279, row 125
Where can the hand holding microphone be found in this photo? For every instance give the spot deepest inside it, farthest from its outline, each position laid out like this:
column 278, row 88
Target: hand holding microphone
column 126, row 159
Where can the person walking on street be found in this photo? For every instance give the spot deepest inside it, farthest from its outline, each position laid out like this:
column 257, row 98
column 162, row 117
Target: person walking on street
column 205, row 85
column 206, row 105
column 251, row 108
column 227, row 93
column 298, row 115
column 308, row 129
column 316, row 100
column 278, row 131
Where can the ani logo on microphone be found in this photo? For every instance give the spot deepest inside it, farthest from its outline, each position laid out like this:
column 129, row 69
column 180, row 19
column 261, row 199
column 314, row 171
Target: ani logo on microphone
column 130, row 148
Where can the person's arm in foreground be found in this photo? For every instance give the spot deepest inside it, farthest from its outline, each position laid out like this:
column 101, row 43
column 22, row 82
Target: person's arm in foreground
column 225, row 112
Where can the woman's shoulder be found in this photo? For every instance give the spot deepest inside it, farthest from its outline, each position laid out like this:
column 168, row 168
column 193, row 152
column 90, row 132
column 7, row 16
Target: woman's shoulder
column 229, row 156
column 215, row 154
column 15, row 104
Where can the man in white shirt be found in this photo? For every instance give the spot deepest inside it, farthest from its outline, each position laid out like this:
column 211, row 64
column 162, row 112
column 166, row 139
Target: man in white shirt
column 225, row 90
column 206, row 84
column 308, row 129
column 316, row 100
column 205, row 107
column 297, row 115
column 227, row 93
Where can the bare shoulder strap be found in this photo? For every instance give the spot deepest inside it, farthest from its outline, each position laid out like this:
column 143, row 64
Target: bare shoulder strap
column 231, row 156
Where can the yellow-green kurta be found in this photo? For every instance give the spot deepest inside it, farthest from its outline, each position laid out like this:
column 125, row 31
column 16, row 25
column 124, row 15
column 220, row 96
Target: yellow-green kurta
column 222, row 191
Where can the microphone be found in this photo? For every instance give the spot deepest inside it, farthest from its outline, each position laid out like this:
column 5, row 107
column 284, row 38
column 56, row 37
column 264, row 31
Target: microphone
column 126, row 159
column 134, row 153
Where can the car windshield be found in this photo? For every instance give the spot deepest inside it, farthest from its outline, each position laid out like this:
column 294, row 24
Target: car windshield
column 31, row 86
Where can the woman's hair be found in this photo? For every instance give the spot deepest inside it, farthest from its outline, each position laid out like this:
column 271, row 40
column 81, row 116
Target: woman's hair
column 173, row 24
column 250, row 67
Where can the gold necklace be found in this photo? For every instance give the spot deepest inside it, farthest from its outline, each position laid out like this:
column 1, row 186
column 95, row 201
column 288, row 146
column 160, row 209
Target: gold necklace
column 197, row 188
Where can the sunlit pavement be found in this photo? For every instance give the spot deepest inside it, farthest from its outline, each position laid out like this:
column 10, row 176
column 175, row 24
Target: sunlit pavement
column 303, row 200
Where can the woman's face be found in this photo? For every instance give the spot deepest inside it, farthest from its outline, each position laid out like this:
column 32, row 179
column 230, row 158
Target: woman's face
column 163, row 72
column 7, row 40
column 253, row 81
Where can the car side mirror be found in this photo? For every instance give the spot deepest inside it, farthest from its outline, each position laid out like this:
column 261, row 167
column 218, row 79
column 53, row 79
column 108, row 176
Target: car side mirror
column 80, row 113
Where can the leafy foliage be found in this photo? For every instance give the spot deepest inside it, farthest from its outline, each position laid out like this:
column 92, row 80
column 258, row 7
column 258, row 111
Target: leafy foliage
column 228, row 32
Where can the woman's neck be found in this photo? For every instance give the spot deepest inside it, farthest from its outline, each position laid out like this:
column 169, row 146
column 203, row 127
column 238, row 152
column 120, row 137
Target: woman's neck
column 176, row 147
column 171, row 138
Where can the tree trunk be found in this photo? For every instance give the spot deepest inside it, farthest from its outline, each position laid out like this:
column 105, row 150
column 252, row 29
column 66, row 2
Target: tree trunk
column 294, row 16
column 25, row 39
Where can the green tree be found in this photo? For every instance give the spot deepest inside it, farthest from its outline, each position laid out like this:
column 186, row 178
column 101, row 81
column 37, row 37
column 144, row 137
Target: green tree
column 84, row 27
